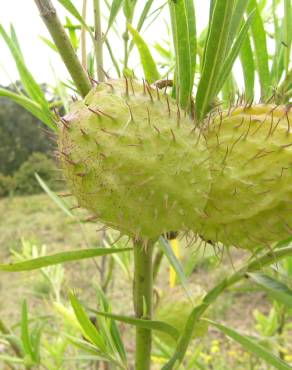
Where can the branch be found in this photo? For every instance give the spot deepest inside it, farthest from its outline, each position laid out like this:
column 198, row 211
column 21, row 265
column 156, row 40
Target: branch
column 64, row 46
column 98, row 41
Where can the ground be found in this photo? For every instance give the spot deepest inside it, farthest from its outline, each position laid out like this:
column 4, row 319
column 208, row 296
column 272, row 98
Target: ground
column 39, row 220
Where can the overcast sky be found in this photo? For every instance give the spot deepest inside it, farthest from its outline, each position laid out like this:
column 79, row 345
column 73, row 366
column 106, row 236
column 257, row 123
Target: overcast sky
column 23, row 14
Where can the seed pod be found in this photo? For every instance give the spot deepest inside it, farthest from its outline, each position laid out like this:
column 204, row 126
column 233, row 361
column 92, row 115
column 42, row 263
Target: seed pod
column 250, row 201
column 134, row 161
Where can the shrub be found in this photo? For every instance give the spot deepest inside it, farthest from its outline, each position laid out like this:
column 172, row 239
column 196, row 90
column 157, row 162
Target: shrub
column 6, row 185
column 25, row 180
column 17, row 128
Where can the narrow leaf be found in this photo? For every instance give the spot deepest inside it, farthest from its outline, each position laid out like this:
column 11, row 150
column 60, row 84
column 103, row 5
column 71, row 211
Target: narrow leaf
column 145, row 324
column 236, row 21
column 191, row 22
column 68, row 4
column 215, row 52
column 248, row 67
column 175, row 264
column 252, row 346
column 114, row 10
column 287, row 32
column 33, row 107
column 87, row 326
column 25, row 337
column 57, row 200
column 181, row 34
column 49, row 43
column 62, row 257
column 149, row 66
column 228, row 64
column 276, row 289
column 30, row 85
column 260, row 46
column 144, row 14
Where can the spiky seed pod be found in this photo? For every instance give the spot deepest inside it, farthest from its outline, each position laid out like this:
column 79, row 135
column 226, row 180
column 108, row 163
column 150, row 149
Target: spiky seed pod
column 250, row 201
column 135, row 161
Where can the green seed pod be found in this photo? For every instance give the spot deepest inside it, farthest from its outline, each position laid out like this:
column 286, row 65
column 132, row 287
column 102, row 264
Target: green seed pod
column 135, row 160
column 250, row 202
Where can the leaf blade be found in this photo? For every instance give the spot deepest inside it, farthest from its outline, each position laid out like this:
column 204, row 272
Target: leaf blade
column 145, row 324
column 148, row 63
column 251, row 345
column 215, row 51
column 276, row 289
column 260, row 46
column 57, row 258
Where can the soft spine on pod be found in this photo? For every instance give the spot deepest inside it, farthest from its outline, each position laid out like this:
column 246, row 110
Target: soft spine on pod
column 139, row 164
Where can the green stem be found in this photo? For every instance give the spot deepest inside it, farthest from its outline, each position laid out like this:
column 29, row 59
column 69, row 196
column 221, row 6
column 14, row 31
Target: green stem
column 64, row 46
column 142, row 296
column 83, row 37
column 98, row 41
column 126, row 47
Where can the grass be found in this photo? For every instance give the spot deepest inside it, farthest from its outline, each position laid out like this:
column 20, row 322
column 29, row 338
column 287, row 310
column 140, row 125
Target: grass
column 38, row 219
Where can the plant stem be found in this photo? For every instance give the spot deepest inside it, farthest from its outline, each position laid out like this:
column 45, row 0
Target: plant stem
column 64, row 46
column 83, row 37
column 98, row 41
column 126, row 47
column 142, row 296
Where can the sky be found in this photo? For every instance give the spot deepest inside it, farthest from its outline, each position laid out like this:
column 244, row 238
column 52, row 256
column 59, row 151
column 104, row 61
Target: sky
column 44, row 63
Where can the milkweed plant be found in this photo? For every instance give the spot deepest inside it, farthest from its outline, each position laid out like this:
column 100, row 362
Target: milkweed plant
column 158, row 153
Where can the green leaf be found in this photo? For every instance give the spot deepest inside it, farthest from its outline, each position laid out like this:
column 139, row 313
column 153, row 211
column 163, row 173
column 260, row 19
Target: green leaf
column 145, row 324
column 68, row 4
column 57, row 200
column 113, row 58
column 191, row 23
column 287, row 33
column 149, row 66
column 215, row 54
column 183, row 22
column 260, row 46
column 185, row 338
column 14, row 39
column 114, row 332
column 33, row 107
column 57, row 258
column 143, row 17
column 30, row 85
column 87, row 326
column 72, row 34
column 175, row 264
column 248, row 67
column 236, row 21
column 114, row 10
column 25, row 337
column 251, row 346
column 228, row 64
column 276, row 289
column 49, row 43
column 129, row 8
column 144, row 14
column 12, row 360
